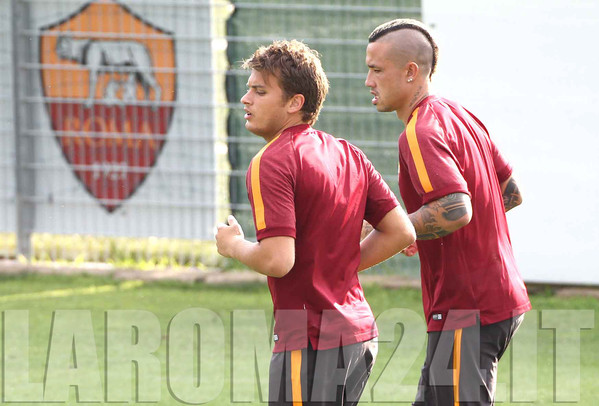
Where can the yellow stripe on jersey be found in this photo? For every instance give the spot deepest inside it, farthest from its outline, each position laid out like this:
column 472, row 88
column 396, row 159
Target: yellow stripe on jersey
column 256, row 192
column 296, row 377
column 417, row 155
column 457, row 356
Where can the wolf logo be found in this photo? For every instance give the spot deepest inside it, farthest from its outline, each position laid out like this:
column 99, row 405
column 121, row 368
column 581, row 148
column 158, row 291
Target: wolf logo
column 100, row 55
column 109, row 81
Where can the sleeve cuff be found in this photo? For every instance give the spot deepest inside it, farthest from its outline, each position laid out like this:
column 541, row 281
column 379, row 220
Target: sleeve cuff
column 504, row 174
column 375, row 219
column 437, row 194
column 275, row 232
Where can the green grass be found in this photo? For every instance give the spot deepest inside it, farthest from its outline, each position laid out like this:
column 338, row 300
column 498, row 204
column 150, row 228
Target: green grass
column 151, row 253
column 82, row 305
column 148, row 253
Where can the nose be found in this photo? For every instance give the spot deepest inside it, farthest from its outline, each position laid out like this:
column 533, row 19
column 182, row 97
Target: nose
column 245, row 98
column 368, row 82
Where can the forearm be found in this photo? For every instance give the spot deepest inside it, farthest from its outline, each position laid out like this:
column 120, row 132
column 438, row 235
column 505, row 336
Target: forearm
column 262, row 258
column 376, row 248
column 272, row 256
column 510, row 194
column 248, row 253
column 442, row 217
column 392, row 234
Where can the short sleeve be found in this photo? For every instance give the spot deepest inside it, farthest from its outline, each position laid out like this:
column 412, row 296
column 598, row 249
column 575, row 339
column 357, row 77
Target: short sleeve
column 502, row 167
column 380, row 200
column 432, row 166
column 270, row 184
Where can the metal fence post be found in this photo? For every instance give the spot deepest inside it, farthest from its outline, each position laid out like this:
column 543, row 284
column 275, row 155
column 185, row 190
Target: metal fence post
column 24, row 148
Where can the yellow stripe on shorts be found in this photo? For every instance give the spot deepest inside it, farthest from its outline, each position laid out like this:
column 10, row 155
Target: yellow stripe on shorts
column 457, row 356
column 296, row 377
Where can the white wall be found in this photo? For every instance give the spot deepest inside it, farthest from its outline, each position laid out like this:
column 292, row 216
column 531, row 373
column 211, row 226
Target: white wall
column 530, row 70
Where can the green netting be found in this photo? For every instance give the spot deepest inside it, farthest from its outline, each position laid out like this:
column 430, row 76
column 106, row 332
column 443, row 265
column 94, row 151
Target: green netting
column 338, row 30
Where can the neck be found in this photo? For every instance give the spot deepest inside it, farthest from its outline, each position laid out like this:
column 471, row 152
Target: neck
column 419, row 94
column 288, row 124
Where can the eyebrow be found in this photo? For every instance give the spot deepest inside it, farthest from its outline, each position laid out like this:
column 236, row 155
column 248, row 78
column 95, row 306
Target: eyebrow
column 255, row 86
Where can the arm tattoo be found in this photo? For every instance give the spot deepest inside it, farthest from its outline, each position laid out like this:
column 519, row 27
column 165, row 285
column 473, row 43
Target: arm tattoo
column 428, row 228
column 430, row 220
column 511, row 195
column 453, row 206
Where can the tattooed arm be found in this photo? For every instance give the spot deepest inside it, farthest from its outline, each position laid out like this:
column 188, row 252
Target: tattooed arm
column 442, row 216
column 511, row 194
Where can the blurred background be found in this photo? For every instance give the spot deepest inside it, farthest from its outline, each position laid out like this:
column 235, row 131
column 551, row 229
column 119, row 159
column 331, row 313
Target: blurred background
column 122, row 137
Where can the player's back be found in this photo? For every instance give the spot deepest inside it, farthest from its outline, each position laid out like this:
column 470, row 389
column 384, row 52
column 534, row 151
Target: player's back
column 473, row 267
column 330, row 198
column 311, row 186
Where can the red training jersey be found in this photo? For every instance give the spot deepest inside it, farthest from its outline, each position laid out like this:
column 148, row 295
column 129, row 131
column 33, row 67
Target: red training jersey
column 446, row 149
column 317, row 189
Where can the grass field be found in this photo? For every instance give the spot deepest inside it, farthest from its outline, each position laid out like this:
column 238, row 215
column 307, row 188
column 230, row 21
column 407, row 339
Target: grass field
column 94, row 315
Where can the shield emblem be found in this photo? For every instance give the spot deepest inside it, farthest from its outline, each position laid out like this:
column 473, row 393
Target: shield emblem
column 109, row 85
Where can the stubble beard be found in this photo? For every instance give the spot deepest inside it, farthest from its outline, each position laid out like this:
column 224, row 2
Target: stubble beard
column 382, row 108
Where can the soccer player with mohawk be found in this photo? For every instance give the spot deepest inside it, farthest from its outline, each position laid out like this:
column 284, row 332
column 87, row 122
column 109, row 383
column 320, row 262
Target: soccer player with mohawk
column 456, row 187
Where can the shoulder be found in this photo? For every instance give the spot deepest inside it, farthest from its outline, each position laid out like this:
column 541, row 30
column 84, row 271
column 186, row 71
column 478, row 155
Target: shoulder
column 351, row 151
column 425, row 122
column 281, row 145
column 275, row 158
column 348, row 145
column 428, row 131
column 428, row 114
column 454, row 111
column 308, row 141
column 449, row 109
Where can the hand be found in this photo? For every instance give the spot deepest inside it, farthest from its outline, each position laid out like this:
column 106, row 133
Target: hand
column 227, row 236
column 410, row 250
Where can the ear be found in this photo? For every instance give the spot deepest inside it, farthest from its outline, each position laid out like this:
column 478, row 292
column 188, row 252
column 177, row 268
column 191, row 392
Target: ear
column 295, row 103
column 412, row 70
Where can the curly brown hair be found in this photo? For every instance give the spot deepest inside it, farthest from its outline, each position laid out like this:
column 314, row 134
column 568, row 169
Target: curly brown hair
column 298, row 69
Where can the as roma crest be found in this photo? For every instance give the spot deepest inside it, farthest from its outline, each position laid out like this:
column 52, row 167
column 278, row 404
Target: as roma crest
column 109, row 84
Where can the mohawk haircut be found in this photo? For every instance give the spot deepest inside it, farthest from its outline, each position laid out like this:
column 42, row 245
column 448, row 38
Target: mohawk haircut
column 407, row 24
